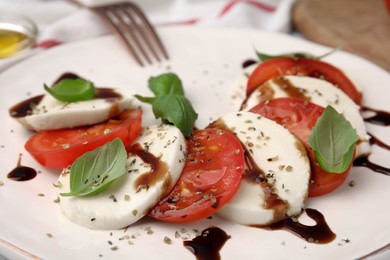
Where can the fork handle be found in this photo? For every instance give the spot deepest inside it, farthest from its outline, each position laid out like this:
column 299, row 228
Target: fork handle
column 96, row 3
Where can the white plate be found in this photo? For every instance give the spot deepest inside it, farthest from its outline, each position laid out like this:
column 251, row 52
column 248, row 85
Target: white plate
column 208, row 61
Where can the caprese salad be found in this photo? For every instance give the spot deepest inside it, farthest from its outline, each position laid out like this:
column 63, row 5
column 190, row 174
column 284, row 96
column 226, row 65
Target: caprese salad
column 295, row 136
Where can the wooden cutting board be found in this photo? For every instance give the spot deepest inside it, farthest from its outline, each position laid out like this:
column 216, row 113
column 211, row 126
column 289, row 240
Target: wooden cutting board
column 361, row 27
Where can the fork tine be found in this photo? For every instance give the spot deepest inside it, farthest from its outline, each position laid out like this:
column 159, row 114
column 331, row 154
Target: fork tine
column 102, row 12
column 140, row 29
column 132, row 27
column 150, row 28
column 120, row 12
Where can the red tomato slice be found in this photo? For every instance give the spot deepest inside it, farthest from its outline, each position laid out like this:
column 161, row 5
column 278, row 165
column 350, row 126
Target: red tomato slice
column 305, row 67
column 210, row 178
column 300, row 116
column 60, row 148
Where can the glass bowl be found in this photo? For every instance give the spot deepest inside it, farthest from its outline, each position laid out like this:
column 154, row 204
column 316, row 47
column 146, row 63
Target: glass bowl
column 17, row 33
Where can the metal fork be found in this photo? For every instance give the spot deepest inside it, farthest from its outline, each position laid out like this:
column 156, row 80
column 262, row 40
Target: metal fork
column 129, row 23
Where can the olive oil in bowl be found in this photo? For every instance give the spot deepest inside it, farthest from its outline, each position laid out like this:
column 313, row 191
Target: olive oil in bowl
column 16, row 34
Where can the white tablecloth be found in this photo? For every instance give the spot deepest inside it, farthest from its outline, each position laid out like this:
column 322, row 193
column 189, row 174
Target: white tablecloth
column 62, row 21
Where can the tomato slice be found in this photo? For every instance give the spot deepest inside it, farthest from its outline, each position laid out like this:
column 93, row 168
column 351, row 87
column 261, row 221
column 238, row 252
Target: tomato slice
column 60, row 148
column 300, row 116
column 304, row 67
column 210, row 178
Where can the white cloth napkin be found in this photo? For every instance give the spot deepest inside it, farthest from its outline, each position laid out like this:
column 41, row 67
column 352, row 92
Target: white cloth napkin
column 61, row 21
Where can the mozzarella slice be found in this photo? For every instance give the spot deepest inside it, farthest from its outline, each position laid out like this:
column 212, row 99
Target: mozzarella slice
column 51, row 113
column 319, row 92
column 276, row 186
column 129, row 198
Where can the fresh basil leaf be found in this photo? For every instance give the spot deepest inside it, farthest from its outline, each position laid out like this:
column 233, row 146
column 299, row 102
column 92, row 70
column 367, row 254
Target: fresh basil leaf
column 169, row 102
column 72, row 90
column 145, row 99
column 94, row 171
column 165, row 84
column 333, row 140
column 294, row 55
column 177, row 110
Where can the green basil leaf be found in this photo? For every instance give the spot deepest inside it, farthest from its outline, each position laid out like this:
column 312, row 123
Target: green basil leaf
column 333, row 140
column 176, row 109
column 148, row 100
column 169, row 102
column 72, row 90
column 294, row 55
column 94, row 171
column 165, row 84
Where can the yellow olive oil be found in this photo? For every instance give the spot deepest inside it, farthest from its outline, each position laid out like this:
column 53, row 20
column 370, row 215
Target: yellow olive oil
column 12, row 41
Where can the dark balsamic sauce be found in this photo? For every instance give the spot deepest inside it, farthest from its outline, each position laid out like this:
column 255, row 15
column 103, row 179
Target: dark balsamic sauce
column 320, row 233
column 364, row 161
column 375, row 141
column 207, row 245
column 256, row 175
column 25, row 107
column 379, row 118
column 290, row 89
column 248, row 63
column 67, row 75
column 107, row 93
column 22, row 173
column 158, row 170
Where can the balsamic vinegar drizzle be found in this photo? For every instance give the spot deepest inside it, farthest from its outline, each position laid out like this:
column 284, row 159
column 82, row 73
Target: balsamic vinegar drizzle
column 256, row 175
column 158, row 170
column 24, row 108
column 365, row 162
column 22, row 173
column 320, row 233
column 207, row 245
column 248, row 63
column 67, row 75
column 380, row 117
column 375, row 141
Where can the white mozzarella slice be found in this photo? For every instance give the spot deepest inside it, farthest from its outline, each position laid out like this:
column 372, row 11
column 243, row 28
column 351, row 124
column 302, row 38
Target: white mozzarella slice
column 319, row 92
column 129, row 198
column 284, row 164
column 51, row 113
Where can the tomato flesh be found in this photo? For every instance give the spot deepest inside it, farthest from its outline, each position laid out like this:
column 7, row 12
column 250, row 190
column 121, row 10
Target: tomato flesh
column 304, row 67
column 299, row 117
column 210, row 178
column 60, row 148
